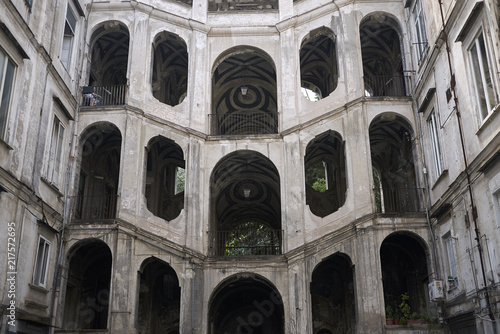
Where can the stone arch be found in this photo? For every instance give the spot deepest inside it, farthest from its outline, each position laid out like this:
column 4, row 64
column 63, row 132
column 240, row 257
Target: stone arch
column 325, row 173
column 403, row 258
column 333, row 296
column 169, row 68
column 165, row 178
column 109, row 54
column 392, row 148
column 318, row 64
column 381, row 49
column 246, row 303
column 244, row 93
column 87, row 292
column 245, row 205
column 97, row 185
column 159, row 298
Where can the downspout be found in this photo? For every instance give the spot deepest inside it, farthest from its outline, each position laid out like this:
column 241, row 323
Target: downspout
column 466, row 169
column 67, row 200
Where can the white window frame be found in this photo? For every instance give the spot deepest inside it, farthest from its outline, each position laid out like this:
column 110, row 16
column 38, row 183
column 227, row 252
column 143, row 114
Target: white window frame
column 418, row 20
column 41, row 266
column 449, row 250
column 68, row 38
column 6, row 65
column 56, row 151
column 435, row 144
column 496, row 206
column 485, row 66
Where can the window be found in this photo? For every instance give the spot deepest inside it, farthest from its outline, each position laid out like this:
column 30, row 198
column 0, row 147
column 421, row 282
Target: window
column 435, row 146
column 7, row 70
column 418, row 19
column 496, row 205
column 56, row 148
column 452, row 265
column 481, row 74
column 69, row 35
column 29, row 3
column 41, row 262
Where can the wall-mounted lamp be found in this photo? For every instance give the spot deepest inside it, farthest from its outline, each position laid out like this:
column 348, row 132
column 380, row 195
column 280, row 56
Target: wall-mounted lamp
column 244, row 90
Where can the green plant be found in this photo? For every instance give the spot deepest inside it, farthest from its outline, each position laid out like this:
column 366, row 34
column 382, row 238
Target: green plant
column 414, row 316
column 402, row 321
column 389, row 313
column 404, row 306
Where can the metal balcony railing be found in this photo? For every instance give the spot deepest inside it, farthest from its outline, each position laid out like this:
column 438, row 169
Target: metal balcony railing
column 238, row 5
column 94, row 207
column 96, row 96
column 387, row 85
column 400, row 200
column 245, row 242
column 243, row 123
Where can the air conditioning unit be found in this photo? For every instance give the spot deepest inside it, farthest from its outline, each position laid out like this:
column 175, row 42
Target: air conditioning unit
column 436, row 290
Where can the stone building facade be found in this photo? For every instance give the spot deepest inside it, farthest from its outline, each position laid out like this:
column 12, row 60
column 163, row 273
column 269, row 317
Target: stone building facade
column 249, row 166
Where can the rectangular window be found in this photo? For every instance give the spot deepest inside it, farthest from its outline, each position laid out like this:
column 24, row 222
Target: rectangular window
column 41, row 262
column 496, row 206
column 56, row 152
column 7, row 70
column 421, row 36
column 69, row 36
column 435, row 146
column 452, row 264
column 483, row 80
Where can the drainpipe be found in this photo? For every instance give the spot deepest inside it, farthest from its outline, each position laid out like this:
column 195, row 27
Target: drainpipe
column 466, row 169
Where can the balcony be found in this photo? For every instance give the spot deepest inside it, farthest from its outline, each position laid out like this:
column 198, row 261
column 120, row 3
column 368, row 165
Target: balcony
column 399, row 200
column 387, row 85
column 246, row 242
column 243, row 123
column 94, row 207
column 99, row 96
column 239, row 5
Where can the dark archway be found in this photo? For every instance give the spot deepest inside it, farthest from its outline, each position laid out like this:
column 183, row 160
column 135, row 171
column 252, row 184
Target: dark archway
column 382, row 61
column 165, row 178
column 99, row 172
column 170, row 68
column 88, row 286
column 246, row 303
column 333, row 297
column 318, row 64
column 403, row 258
column 244, row 93
column 392, row 151
column 245, row 206
column 159, row 298
column 108, row 66
column 325, row 172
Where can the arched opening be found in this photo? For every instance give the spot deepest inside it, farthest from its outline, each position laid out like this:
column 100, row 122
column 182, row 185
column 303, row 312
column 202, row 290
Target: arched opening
column 99, row 172
column 246, row 303
column 244, row 94
column 392, row 151
column 245, row 206
column 332, row 295
column 318, row 64
column 404, row 273
column 170, row 69
column 87, row 287
column 108, row 67
column 382, row 61
column 159, row 298
column 325, row 174
column 165, row 178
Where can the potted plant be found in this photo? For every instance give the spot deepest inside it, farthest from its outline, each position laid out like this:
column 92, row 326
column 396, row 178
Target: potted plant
column 404, row 306
column 389, row 315
column 414, row 318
